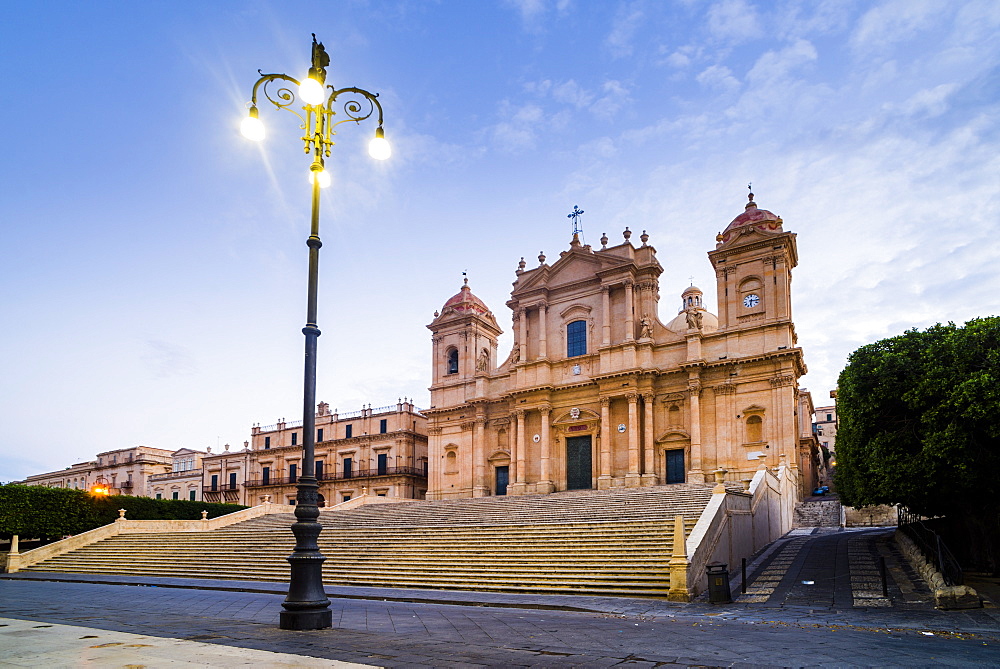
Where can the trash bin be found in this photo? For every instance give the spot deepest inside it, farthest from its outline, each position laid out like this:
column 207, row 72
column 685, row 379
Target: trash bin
column 718, row 584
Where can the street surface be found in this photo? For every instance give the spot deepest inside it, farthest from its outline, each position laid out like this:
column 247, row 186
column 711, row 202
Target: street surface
column 840, row 619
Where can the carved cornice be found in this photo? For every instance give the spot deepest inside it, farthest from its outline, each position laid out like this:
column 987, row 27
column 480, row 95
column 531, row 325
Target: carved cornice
column 434, row 431
column 467, row 425
column 520, row 414
column 544, row 409
column 724, row 389
column 648, row 398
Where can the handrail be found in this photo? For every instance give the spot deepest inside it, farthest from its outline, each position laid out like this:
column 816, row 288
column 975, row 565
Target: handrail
column 930, row 544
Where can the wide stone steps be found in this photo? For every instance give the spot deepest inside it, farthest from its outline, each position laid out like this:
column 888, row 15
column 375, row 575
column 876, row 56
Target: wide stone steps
column 603, row 542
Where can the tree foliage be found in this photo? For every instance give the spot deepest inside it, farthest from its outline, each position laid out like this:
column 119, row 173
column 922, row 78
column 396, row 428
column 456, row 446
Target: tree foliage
column 39, row 512
column 919, row 422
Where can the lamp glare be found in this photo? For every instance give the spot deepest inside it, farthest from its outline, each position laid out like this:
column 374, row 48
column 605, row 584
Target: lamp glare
column 324, row 178
column 252, row 128
column 379, row 148
column 312, row 91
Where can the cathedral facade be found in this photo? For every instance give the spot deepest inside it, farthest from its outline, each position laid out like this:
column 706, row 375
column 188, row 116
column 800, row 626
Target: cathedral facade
column 597, row 392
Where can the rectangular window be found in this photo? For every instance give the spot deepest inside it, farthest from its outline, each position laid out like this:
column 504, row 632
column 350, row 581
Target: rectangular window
column 232, row 480
column 267, row 442
column 319, row 434
column 319, row 470
column 425, row 468
column 265, row 475
column 159, row 496
column 215, row 482
column 347, row 498
column 295, row 438
column 348, row 467
column 348, row 431
column 576, row 338
column 293, row 472
column 829, row 418
column 191, row 495
column 383, row 464
column 383, row 426
column 176, row 495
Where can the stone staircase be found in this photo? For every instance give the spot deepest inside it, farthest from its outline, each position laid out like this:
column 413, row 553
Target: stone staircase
column 615, row 542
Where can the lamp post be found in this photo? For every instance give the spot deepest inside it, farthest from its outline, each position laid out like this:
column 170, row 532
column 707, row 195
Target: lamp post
column 306, row 607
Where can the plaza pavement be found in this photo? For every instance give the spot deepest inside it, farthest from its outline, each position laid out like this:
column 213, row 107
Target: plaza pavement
column 813, row 599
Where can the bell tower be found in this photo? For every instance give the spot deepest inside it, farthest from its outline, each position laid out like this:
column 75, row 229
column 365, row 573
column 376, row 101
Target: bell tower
column 753, row 261
column 464, row 345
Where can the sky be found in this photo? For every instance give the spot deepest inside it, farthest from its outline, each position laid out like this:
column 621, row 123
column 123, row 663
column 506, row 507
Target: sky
column 152, row 288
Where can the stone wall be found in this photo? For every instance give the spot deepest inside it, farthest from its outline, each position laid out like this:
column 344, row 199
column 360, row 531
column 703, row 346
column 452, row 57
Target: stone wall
column 820, row 513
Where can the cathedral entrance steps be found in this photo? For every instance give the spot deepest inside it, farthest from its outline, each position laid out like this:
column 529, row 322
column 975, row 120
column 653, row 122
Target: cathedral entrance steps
column 607, row 542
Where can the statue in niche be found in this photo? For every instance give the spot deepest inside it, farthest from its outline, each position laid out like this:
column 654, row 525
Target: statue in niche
column 646, row 328
column 483, row 363
column 694, row 318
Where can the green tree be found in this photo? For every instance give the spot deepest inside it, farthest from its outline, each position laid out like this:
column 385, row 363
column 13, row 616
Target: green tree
column 919, row 425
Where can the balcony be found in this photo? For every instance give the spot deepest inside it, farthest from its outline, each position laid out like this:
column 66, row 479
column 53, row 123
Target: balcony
column 340, row 476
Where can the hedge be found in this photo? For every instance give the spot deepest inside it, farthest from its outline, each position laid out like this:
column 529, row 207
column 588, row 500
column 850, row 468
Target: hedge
column 49, row 513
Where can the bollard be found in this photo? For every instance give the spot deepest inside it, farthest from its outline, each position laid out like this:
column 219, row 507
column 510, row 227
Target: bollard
column 718, row 584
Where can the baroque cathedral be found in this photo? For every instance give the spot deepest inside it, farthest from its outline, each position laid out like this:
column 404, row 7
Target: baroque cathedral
column 597, row 392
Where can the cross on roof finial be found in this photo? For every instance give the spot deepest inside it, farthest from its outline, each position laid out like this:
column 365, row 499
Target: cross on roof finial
column 691, row 279
column 465, row 279
column 575, row 215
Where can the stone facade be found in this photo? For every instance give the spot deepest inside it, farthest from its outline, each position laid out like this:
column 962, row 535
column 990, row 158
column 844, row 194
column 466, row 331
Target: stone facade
column 183, row 481
column 380, row 451
column 124, row 471
column 598, row 392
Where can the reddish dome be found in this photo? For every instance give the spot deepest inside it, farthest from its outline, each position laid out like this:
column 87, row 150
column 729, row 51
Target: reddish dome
column 465, row 303
column 760, row 219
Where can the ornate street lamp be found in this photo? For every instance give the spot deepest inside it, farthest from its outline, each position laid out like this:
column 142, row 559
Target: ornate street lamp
column 306, row 606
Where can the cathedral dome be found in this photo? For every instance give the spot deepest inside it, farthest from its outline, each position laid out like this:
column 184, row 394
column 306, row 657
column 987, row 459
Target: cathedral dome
column 691, row 303
column 464, row 303
column 752, row 217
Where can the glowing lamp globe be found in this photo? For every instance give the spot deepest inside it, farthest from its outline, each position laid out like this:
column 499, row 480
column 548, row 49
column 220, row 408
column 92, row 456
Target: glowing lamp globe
column 323, row 176
column 379, row 148
column 252, row 128
column 312, row 91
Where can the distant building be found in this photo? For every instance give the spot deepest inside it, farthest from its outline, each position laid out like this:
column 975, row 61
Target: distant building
column 826, row 427
column 125, row 471
column 598, row 392
column 381, row 452
column 183, row 481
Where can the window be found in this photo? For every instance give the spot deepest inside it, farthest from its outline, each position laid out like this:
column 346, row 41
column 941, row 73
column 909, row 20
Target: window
column 319, row 470
column 177, row 495
column 347, row 498
column 319, row 434
column 453, row 361
column 576, row 338
column 232, row 480
column 293, row 472
column 829, row 418
column 348, row 431
column 267, row 442
column 191, row 495
column 295, row 438
column 159, row 496
column 754, row 431
column 265, row 475
column 215, row 482
column 383, row 426
column 383, row 464
column 348, row 468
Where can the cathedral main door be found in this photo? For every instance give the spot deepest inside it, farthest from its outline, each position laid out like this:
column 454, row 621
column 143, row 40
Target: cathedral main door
column 579, row 466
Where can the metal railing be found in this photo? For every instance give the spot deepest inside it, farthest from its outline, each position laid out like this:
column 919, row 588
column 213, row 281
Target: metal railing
column 221, row 487
column 930, row 544
column 339, row 476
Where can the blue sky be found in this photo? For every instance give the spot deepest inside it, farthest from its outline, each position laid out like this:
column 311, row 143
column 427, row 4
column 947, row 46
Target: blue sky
column 153, row 283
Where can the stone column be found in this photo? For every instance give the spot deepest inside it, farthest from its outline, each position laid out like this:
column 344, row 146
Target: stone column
column 629, row 319
column 542, row 348
column 648, row 471
column 521, row 448
column 633, row 476
column 604, row 474
column 546, row 485
column 479, row 484
column 696, row 472
column 605, row 316
column 522, row 331
column 433, row 455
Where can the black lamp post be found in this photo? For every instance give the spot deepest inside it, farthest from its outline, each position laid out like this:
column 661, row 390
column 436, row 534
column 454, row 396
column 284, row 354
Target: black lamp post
column 306, row 606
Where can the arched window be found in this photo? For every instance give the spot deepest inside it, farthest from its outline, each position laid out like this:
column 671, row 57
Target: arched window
column 576, row 338
column 452, row 361
column 754, row 431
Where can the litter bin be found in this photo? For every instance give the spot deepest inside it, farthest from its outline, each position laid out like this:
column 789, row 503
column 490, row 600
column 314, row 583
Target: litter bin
column 718, row 584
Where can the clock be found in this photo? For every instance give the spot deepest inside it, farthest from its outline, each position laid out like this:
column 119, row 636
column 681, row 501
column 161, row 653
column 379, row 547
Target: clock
column 751, row 300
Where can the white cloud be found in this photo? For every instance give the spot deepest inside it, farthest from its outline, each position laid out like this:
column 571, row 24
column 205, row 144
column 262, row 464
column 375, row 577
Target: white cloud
column 774, row 66
column 571, row 93
column 614, row 97
column 518, row 131
column 889, row 23
column 733, row 21
column 718, row 77
column 626, row 22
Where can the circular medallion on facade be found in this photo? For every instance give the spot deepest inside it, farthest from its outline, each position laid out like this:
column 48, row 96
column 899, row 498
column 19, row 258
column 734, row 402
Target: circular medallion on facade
column 621, row 427
column 574, row 413
column 576, row 369
column 536, row 438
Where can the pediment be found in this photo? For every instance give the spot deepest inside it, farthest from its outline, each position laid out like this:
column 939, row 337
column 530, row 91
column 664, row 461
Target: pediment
column 585, row 415
column 573, row 267
column 673, row 435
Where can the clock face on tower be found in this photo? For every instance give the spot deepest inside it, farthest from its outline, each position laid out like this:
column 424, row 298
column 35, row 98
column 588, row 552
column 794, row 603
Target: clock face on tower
column 751, row 301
